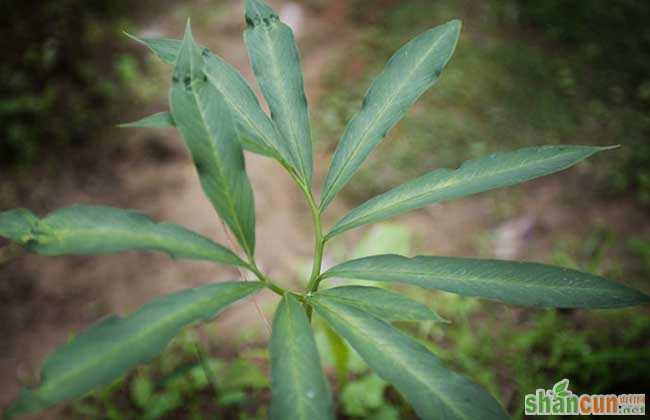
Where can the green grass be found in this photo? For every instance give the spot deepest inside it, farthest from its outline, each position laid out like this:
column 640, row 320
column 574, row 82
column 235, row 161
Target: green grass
column 180, row 384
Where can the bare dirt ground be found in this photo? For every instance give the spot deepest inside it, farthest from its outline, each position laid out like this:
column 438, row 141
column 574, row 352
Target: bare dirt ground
column 43, row 300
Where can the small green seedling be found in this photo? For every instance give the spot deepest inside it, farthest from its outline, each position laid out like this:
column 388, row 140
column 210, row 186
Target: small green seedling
column 218, row 115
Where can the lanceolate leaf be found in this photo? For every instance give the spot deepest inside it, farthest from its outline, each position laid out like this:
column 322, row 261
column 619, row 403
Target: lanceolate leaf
column 158, row 120
column 106, row 351
column 89, row 230
column 518, row 283
column 474, row 176
column 276, row 63
column 299, row 388
column 257, row 132
column 412, row 70
column 379, row 302
column 434, row 391
column 205, row 122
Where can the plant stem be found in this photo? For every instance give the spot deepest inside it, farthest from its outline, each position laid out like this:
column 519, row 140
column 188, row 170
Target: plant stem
column 318, row 247
column 252, row 266
column 206, row 370
column 318, row 244
column 319, row 241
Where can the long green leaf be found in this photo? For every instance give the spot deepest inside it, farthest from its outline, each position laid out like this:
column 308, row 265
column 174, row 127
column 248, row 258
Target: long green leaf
column 106, row 351
column 380, row 303
column 205, row 122
column 412, row 70
column 519, row 283
column 299, row 388
column 257, row 133
column 276, row 63
column 434, row 391
column 90, row 230
column 157, row 120
column 474, row 176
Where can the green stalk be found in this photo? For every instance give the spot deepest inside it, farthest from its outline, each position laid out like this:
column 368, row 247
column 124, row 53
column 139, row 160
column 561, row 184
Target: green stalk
column 318, row 247
column 252, row 266
column 319, row 241
column 206, row 371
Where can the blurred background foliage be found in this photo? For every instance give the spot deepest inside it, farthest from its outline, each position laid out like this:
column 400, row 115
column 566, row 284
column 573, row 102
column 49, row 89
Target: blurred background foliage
column 525, row 73
column 64, row 74
column 608, row 47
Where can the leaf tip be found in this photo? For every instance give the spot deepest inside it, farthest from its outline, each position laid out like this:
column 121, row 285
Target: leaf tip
column 612, row 147
column 187, row 37
column 132, row 36
column 456, row 24
column 257, row 10
column 158, row 120
column 136, row 38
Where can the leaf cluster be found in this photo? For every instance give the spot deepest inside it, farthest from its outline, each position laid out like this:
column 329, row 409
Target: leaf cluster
column 218, row 116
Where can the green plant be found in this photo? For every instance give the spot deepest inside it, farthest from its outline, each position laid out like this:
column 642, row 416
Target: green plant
column 217, row 114
column 177, row 383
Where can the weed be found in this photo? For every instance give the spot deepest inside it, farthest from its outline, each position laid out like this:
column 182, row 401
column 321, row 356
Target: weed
column 218, row 115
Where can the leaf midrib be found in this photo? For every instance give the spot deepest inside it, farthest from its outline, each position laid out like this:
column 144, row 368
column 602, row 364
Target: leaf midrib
column 275, row 70
column 451, row 182
column 302, row 409
column 157, row 239
column 222, row 180
column 364, row 307
column 447, row 277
